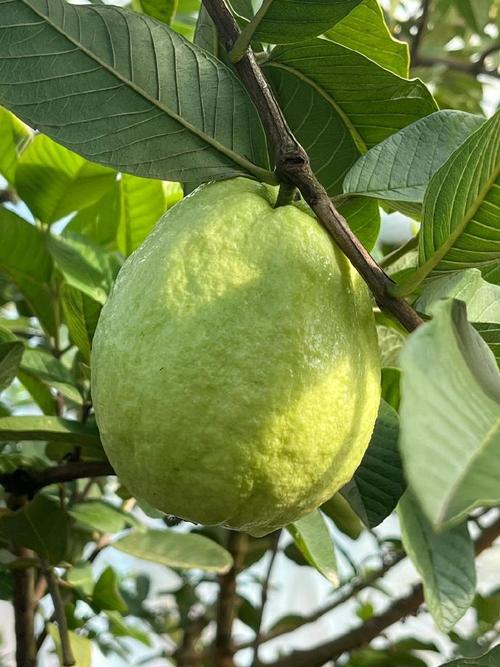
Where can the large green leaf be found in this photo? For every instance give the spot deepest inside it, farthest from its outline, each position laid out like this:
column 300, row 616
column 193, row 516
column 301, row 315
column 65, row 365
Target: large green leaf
column 11, row 353
column 339, row 103
column 378, row 44
column 490, row 659
column 177, row 550
column 54, row 181
column 400, row 168
column 313, row 539
column 126, row 91
column 450, row 416
column 285, row 21
column 445, row 561
column 47, row 428
column 14, row 137
column 378, row 483
column 461, row 212
column 24, row 258
column 102, row 516
column 45, row 367
column 363, row 217
column 81, row 314
column 41, row 525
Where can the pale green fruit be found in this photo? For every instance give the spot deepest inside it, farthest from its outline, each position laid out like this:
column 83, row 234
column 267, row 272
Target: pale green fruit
column 235, row 370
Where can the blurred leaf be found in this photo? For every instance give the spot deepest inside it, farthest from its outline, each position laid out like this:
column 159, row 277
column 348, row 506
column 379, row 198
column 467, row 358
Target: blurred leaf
column 313, row 539
column 14, row 137
column 47, row 428
column 378, row 44
column 286, row 624
column 400, row 168
column 161, row 10
column 81, row 646
column 106, row 594
column 24, row 258
column 489, row 659
column 288, row 21
column 470, row 179
column 378, row 483
column 340, row 512
column 445, row 561
column 81, row 314
column 390, row 342
column 81, row 576
column 102, row 516
column 248, row 614
column 83, row 264
column 10, row 358
column 121, row 629
column 153, row 124
column 450, row 437
column 487, row 611
column 177, row 550
column 40, row 525
column 54, row 181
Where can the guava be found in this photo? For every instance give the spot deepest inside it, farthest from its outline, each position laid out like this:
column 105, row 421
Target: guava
column 235, row 369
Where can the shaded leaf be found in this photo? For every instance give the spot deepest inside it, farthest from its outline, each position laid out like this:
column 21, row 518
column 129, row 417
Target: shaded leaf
column 445, row 561
column 345, row 519
column 106, row 594
column 489, row 659
column 10, row 358
column 450, row 438
column 363, row 217
column 104, row 60
column 313, row 539
column 45, row 367
column 47, row 428
column 177, row 550
column 14, row 137
column 378, row 483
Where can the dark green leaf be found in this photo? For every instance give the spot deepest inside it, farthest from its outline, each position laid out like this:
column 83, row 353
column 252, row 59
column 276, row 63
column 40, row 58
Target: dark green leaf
column 43, row 366
column 313, row 539
column 490, row 659
column 161, row 10
column 10, row 358
column 106, row 594
column 47, row 428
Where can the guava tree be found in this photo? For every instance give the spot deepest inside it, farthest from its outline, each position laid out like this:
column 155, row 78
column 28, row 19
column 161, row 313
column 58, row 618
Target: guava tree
column 110, row 116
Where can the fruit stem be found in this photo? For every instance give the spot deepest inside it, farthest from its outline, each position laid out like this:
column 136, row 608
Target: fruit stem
column 286, row 194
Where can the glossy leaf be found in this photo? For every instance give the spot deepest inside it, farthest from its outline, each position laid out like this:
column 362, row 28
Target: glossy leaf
column 128, row 91
column 288, row 21
column 10, row 357
column 378, row 483
column 450, row 438
column 25, row 260
column 378, row 44
column 400, row 168
column 177, row 550
column 81, row 314
column 41, row 525
column 313, row 539
column 54, row 181
column 445, row 561
column 490, row 659
column 24, row 427
column 347, row 103
column 461, row 212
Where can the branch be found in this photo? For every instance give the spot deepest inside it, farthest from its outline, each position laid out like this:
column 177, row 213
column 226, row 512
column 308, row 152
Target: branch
column 263, row 599
column 24, row 611
column 421, row 27
column 365, row 633
column 472, row 68
column 24, row 482
column 68, row 659
column 237, row 547
column 292, row 166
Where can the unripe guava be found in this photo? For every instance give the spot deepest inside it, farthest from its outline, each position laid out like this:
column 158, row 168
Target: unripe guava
column 235, row 369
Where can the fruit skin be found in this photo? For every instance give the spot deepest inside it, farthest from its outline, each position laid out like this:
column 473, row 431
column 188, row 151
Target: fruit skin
column 235, row 369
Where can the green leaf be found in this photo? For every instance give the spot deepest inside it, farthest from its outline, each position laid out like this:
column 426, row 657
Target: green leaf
column 450, row 437
column 102, row 516
column 347, row 103
column 14, row 137
column 40, row 393
column 490, row 333
column 313, row 539
column 41, row 525
column 390, row 386
column 84, row 265
column 10, row 358
column 47, row 428
column 81, row 314
column 106, row 594
column 489, row 659
column 81, row 577
column 24, row 258
column 378, row 44
column 121, row 629
column 345, row 519
column 43, row 366
column 129, row 92
column 400, row 168
column 81, row 647
column 54, row 181
column 363, row 217
column 378, row 483
column 177, row 550
column 288, row 21
column 161, row 10
column 445, row 561
column 461, row 212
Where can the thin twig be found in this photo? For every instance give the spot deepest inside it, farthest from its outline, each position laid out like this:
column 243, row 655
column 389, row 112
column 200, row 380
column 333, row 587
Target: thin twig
column 421, row 28
column 465, row 67
column 293, row 166
column 24, row 611
column 226, row 603
column 263, row 598
column 68, row 658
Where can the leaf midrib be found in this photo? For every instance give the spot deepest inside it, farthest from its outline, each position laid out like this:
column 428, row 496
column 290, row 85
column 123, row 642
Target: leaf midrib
column 259, row 172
